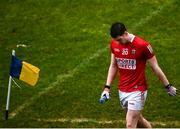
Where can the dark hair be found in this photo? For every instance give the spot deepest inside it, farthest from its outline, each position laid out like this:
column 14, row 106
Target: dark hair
column 117, row 29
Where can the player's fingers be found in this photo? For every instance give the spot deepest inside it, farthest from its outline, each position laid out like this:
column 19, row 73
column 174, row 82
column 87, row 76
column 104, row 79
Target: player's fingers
column 173, row 94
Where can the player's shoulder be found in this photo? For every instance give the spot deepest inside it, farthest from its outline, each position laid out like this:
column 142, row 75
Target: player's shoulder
column 113, row 43
column 140, row 41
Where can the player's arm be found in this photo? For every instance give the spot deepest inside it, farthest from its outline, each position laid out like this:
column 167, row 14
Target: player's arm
column 110, row 77
column 157, row 70
column 111, row 72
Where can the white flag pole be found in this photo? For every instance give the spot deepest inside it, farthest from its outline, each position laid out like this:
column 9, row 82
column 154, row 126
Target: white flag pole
column 9, row 92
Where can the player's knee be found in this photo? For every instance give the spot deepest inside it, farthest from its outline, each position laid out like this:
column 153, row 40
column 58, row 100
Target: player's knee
column 131, row 122
column 129, row 125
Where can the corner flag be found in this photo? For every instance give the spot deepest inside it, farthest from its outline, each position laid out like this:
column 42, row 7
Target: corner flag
column 22, row 71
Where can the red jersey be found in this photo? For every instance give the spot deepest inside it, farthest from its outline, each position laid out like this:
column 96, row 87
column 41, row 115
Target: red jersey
column 131, row 61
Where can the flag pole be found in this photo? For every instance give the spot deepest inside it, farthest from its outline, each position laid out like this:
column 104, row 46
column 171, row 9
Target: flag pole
column 9, row 92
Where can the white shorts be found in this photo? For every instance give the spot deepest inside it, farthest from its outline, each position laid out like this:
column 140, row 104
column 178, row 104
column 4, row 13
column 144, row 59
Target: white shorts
column 133, row 100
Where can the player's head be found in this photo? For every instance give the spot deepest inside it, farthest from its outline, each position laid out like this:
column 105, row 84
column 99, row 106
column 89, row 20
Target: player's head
column 119, row 32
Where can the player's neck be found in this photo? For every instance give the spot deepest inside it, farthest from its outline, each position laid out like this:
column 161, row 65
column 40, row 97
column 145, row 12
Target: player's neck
column 129, row 40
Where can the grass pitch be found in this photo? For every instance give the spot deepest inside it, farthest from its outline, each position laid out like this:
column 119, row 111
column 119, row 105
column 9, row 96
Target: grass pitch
column 69, row 41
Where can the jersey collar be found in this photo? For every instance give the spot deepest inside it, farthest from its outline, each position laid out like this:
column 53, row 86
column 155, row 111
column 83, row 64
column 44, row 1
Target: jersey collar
column 131, row 37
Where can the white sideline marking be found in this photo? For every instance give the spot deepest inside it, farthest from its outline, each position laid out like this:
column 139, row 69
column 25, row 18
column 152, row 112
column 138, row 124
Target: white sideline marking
column 80, row 120
column 21, row 45
column 62, row 78
column 83, row 120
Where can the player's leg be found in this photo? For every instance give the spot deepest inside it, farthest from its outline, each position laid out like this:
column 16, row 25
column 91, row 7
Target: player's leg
column 143, row 123
column 134, row 103
column 132, row 117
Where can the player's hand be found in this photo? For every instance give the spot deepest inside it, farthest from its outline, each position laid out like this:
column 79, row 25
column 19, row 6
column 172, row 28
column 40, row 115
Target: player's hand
column 104, row 97
column 171, row 90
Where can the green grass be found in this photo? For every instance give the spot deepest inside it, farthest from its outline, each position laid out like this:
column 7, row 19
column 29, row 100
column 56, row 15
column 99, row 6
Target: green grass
column 61, row 36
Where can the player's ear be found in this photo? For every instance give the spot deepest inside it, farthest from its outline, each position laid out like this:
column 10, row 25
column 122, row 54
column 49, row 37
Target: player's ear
column 126, row 33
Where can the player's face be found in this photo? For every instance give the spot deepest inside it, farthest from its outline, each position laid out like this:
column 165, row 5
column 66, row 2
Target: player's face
column 123, row 38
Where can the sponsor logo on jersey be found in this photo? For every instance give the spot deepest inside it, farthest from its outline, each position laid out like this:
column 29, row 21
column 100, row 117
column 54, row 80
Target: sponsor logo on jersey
column 125, row 51
column 124, row 63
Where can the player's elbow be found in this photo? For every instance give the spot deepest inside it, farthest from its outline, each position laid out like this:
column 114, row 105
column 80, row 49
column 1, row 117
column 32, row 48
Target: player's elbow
column 113, row 69
column 113, row 65
column 156, row 69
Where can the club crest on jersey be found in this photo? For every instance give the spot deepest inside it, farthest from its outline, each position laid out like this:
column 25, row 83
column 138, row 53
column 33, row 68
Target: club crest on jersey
column 125, row 51
column 116, row 50
column 133, row 51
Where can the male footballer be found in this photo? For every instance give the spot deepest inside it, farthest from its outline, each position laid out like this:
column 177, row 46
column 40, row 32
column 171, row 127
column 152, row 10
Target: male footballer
column 129, row 55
